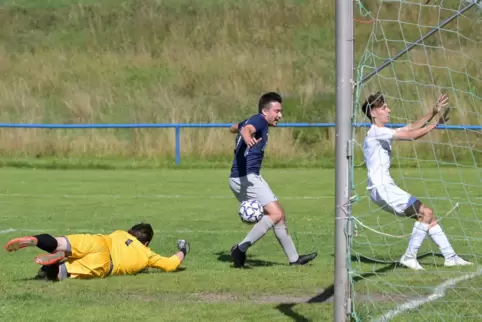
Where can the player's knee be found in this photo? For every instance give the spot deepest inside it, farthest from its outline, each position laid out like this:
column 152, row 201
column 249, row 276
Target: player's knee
column 275, row 212
column 63, row 244
column 276, row 216
column 427, row 215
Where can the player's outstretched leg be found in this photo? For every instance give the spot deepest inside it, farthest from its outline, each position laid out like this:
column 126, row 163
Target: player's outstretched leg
column 50, row 259
column 427, row 224
column 286, row 242
column 409, row 259
column 45, row 242
column 238, row 251
column 438, row 236
column 19, row 243
column 274, row 217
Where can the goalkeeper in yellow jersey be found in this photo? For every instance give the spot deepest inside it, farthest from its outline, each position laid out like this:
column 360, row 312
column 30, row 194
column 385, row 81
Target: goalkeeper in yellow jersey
column 86, row 256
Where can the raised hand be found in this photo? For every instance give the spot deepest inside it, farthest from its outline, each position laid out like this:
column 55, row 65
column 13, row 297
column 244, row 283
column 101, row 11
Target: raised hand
column 440, row 105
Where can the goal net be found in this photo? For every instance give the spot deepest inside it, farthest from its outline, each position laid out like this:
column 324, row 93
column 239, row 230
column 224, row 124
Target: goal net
column 417, row 50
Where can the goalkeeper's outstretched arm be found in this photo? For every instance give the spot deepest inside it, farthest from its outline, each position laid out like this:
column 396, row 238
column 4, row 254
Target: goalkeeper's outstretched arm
column 166, row 264
column 170, row 264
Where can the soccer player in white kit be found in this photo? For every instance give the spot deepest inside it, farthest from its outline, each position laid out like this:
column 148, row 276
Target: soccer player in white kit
column 377, row 149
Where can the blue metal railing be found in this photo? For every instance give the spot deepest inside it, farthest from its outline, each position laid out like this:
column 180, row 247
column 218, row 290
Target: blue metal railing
column 178, row 126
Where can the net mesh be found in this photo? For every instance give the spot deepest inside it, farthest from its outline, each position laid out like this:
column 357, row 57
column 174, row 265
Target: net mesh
column 442, row 169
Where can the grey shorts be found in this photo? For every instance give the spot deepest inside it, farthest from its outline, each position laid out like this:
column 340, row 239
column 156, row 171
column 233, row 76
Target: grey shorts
column 252, row 186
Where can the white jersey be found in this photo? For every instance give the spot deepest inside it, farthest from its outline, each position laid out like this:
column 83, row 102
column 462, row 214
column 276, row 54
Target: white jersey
column 377, row 150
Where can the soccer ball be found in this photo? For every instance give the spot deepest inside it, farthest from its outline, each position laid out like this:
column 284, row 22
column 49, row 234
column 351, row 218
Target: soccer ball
column 250, row 211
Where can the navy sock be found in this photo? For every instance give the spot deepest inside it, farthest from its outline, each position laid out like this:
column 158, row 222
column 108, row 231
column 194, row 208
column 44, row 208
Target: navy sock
column 46, row 242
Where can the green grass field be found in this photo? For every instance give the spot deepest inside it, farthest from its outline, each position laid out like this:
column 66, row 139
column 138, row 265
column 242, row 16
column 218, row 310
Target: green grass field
column 195, row 61
column 197, row 205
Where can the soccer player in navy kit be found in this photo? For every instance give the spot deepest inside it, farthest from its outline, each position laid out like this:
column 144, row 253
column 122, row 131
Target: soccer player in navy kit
column 246, row 182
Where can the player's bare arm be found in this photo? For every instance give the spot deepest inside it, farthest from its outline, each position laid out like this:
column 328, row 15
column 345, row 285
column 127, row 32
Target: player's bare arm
column 418, row 123
column 439, row 108
column 247, row 135
column 414, row 134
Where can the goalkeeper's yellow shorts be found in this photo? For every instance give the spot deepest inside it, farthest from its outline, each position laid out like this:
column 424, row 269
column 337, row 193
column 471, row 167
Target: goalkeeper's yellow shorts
column 88, row 256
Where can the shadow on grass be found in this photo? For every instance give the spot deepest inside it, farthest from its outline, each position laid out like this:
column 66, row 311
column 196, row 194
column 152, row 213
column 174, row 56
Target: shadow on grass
column 158, row 271
column 327, row 295
column 250, row 262
column 28, row 279
column 145, row 271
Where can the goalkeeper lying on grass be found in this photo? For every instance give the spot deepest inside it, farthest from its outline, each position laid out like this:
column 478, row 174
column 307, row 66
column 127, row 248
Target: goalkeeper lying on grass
column 86, row 256
column 377, row 149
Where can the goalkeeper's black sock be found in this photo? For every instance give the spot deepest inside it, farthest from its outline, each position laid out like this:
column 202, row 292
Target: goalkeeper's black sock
column 46, row 242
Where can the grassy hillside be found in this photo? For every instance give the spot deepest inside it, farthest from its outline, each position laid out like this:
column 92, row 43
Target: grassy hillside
column 64, row 61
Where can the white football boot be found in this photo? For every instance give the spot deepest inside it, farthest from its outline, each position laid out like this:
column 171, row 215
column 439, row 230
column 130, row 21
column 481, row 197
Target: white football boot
column 411, row 261
column 456, row 261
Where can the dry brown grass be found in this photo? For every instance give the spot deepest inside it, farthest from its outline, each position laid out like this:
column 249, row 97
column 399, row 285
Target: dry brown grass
column 168, row 63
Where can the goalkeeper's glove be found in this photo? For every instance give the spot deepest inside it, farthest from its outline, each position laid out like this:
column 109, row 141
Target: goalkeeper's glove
column 183, row 246
column 445, row 117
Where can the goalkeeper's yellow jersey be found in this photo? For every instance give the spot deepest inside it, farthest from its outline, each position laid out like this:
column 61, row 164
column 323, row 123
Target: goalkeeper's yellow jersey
column 129, row 256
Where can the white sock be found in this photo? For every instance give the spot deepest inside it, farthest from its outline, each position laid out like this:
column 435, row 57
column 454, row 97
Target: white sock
column 418, row 235
column 439, row 238
column 281, row 233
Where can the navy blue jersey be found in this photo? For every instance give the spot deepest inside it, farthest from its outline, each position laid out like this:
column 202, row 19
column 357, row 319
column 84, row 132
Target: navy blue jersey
column 248, row 160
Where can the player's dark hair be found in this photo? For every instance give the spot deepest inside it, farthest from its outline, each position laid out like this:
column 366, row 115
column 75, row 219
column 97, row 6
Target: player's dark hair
column 267, row 99
column 373, row 101
column 143, row 232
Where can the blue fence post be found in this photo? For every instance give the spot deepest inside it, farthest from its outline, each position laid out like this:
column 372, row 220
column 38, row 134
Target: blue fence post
column 178, row 144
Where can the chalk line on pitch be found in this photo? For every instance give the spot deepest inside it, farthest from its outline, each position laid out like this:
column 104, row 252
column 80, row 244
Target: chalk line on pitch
column 438, row 293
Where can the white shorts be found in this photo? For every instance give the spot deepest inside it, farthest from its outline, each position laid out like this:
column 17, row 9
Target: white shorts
column 392, row 199
column 252, row 186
